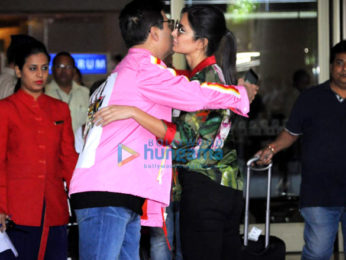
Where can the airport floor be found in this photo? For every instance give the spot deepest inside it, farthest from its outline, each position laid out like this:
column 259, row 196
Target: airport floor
column 294, row 256
column 292, row 253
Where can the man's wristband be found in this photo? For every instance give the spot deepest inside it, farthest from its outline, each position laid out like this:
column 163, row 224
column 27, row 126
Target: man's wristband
column 271, row 148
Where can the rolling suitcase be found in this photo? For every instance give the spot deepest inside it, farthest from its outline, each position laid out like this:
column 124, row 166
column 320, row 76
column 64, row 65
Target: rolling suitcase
column 267, row 247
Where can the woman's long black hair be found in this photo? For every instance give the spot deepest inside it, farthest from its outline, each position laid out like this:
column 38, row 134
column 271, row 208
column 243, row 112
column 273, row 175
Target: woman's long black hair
column 209, row 22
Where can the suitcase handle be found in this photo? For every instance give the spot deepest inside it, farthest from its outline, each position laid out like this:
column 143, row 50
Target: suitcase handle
column 255, row 159
column 247, row 200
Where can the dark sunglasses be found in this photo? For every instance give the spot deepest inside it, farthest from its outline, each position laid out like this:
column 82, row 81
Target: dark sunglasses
column 171, row 24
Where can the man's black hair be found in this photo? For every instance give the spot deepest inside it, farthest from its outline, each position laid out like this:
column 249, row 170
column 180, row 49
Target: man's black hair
column 64, row 53
column 338, row 48
column 137, row 18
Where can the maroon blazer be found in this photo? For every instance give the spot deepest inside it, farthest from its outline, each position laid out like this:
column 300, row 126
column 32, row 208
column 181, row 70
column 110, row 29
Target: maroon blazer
column 36, row 155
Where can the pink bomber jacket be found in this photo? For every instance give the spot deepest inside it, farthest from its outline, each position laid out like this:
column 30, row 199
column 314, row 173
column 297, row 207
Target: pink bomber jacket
column 123, row 157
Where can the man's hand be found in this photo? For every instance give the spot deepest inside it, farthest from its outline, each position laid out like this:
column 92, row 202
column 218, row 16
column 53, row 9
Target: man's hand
column 251, row 89
column 283, row 141
column 265, row 155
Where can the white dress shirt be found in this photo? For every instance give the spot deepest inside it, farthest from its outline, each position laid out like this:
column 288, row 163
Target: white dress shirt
column 8, row 81
column 77, row 100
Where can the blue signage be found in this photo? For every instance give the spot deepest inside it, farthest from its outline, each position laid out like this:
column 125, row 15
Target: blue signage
column 87, row 63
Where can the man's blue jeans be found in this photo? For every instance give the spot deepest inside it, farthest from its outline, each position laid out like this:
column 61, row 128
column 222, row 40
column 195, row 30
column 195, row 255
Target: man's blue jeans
column 108, row 233
column 158, row 245
column 321, row 227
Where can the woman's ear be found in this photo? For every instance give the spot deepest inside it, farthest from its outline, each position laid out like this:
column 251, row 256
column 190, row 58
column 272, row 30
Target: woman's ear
column 18, row 72
column 203, row 44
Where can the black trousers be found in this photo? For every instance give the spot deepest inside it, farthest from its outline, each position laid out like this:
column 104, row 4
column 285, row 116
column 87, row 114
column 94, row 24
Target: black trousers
column 209, row 219
column 27, row 242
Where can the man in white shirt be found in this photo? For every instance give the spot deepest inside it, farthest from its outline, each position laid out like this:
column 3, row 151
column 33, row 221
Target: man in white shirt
column 8, row 80
column 65, row 89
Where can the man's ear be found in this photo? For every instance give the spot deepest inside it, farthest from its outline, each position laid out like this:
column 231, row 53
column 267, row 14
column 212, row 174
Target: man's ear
column 154, row 33
column 18, row 72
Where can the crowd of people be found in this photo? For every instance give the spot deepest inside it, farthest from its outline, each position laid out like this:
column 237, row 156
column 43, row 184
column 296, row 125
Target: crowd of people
column 182, row 179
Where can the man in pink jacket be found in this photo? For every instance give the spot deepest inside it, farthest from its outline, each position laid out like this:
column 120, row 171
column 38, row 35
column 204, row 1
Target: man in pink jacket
column 122, row 166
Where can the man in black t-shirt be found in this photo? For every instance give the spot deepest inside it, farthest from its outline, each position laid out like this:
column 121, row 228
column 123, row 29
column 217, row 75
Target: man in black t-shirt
column 319, row 117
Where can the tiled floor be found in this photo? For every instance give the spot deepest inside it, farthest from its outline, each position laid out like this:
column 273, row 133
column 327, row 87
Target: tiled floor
column 293, row 257
column 297, row 257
